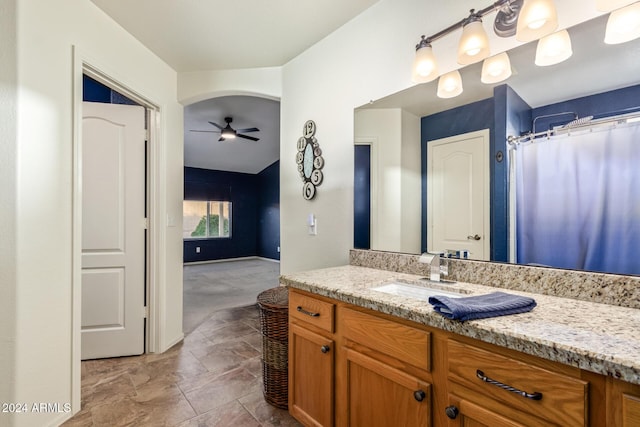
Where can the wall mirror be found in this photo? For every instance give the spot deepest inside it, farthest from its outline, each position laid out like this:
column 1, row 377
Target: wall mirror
column 390, row 134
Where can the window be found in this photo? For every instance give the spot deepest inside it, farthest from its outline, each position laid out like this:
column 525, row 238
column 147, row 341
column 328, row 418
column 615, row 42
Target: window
column 205, row 220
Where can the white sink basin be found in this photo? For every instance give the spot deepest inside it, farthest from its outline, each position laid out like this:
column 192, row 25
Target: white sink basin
column 414, row 291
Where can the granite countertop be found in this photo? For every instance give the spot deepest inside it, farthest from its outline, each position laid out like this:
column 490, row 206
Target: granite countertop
column 595, row 337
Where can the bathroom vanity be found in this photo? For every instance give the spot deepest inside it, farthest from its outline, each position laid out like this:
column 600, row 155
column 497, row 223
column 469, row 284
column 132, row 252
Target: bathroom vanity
column 359, row 356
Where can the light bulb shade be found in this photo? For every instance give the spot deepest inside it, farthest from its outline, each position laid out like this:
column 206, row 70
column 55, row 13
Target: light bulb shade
column 425, row 67
column 450, row 85
column 474, row 43
column 553, row 49
column 537, row 18
column 623, row 25
column 496, row 69
column 609, row 5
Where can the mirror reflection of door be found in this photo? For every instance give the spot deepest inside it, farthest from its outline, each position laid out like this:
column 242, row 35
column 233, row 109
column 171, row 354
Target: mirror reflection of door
column 362, row 197
column 458, row 194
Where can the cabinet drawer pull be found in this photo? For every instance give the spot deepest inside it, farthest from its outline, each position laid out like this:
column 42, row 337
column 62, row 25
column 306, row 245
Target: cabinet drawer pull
column 308, row 313
column 419, row 395
column 325, row 349
column 533, row 396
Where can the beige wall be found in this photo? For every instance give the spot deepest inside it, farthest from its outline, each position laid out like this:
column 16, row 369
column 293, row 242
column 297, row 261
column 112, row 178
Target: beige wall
column 37, row 278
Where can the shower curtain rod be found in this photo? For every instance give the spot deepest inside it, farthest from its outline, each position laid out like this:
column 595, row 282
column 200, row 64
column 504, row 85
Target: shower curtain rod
column 582, row 123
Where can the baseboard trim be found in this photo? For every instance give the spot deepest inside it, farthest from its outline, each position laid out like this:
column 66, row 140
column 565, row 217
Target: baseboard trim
column 213, row 261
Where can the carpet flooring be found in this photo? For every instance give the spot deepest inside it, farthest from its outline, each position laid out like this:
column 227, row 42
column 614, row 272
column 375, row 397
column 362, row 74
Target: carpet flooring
column 220, row 285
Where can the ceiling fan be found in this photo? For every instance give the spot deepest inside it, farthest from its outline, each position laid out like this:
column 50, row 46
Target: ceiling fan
column 227, row 132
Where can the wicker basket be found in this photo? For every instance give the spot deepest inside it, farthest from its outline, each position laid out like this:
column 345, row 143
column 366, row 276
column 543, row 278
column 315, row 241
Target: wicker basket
column 274, row 323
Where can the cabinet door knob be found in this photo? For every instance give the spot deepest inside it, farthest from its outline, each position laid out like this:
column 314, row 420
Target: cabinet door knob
column 325, row 349
column 452, row 411
column 419, row 395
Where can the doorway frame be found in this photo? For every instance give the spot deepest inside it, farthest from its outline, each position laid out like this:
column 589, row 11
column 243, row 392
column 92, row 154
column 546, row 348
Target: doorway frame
column 83, row 64
column 372, row 142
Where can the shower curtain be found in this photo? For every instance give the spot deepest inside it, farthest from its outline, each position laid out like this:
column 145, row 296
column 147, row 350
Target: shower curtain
column 578, row 201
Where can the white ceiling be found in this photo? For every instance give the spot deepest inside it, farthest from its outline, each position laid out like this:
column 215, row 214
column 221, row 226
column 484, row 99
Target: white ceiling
column 203, row 150
column 196, row 35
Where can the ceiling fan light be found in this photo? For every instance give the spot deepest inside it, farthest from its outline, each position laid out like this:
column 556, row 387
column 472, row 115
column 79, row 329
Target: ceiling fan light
column 496, row 68
column 450, row 85
column 474, row 43
column 553, row 49
column 538, row 18
column 425, row 67
column 609, row 5
column 623, row 25
column 228, row 134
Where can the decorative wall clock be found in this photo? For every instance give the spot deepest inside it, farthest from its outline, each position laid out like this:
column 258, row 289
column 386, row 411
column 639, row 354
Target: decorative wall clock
column 309, row 160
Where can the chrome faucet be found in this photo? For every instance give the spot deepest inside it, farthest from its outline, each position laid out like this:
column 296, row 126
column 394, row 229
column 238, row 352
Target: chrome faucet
column 434, row 265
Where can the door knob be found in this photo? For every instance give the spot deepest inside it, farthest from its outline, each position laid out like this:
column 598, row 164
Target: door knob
column 474, row 237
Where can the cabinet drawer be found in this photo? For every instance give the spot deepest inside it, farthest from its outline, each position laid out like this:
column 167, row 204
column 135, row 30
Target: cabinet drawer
column 552, row 396
column 407, row 344
column 311, row 310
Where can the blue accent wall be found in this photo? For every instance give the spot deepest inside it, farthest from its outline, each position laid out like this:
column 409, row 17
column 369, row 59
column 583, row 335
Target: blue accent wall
column 94, row 91
column 255, row 212
column 600, row 105
column 362, row 197
column 269, row 212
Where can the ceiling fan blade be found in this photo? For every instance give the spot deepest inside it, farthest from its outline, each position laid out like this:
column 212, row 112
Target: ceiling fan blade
column 247, row 130
column 216, row 125
column 204, row 131
column 247, row 137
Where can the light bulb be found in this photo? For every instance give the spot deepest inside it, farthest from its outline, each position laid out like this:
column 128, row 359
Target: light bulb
column 474, row 43
column 623, row 25
column 537, row 18
column 496, row 69
column 450, row 85
column 425, row 67
column 553, row 49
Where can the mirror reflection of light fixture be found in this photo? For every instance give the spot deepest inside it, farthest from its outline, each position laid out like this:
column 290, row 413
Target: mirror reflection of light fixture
column 553, row 49
column 623, row 25
column 474, row 43
column 538, row 18
column 496, row 68
column 425, row 68
column 450, row 85
column 609, row 5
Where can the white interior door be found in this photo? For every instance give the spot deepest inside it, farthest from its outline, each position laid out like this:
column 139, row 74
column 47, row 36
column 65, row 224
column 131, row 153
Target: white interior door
column 113, row 230
column 458, row 194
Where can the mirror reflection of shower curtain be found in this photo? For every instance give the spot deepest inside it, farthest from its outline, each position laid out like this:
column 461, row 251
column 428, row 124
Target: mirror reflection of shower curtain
column 578, row 201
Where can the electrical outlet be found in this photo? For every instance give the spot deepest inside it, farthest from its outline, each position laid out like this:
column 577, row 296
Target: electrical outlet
column 197, row 249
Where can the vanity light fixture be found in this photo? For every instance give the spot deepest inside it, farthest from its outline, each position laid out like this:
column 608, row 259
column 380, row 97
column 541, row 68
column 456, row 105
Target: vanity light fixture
column 538, row 18
column 496, row 68
column 474, row 43
column 553, row 49
column 450, row 85
column 623, row 25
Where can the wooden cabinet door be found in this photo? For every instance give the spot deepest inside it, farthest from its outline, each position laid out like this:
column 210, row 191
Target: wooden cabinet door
column 311, row 373
column 379, row 395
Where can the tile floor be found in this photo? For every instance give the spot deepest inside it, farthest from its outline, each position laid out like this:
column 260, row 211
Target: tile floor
column 213, row 378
